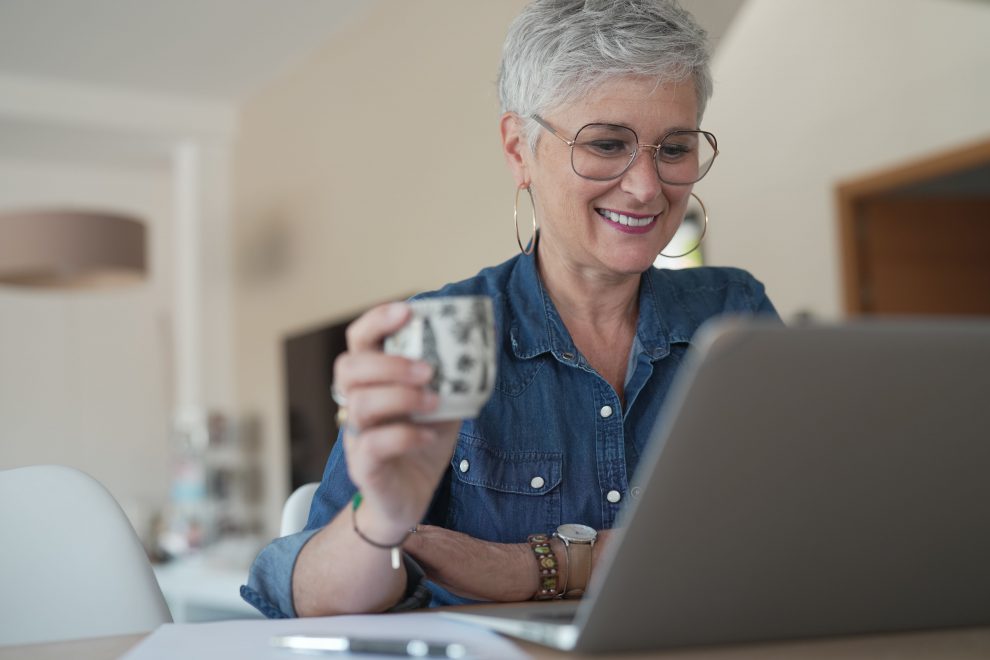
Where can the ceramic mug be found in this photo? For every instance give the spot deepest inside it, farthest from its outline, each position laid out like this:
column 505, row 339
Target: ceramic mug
column 456, row 334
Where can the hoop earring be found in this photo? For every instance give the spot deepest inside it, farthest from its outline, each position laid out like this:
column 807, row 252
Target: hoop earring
column 704, row 230
column 515, row 219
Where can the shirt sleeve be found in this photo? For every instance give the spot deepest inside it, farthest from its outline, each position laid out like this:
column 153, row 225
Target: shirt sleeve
column 764, row 306
column 269, row 587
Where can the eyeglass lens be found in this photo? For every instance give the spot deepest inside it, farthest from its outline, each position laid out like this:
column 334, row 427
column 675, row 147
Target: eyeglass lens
column 605, row 151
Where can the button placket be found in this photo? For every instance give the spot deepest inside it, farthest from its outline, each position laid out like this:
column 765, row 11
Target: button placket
column 610, row 450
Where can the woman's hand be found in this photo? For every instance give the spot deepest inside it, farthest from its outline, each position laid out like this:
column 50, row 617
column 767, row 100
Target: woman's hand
column 395, row 463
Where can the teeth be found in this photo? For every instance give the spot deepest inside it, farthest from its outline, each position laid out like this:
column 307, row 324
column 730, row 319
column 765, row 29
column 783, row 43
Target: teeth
column 627, row 220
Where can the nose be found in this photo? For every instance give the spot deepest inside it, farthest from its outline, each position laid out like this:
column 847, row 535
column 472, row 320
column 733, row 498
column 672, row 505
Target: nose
column 641, row 180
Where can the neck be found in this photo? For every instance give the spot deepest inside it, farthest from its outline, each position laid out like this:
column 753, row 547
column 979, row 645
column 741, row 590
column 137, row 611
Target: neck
column 589, row 297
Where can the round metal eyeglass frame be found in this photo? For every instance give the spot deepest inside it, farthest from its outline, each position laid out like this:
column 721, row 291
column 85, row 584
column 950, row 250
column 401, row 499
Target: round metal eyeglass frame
column 710, row 137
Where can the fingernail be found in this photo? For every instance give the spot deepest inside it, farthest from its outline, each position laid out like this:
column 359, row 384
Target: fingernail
column 397, row 310
column 421, row 370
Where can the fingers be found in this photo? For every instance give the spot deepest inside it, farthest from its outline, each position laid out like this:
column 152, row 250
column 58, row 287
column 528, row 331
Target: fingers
column 355, row 370
column 370, row 329
column 365, row 367
column 389, row 457
column 378, row 406
column 384, row 443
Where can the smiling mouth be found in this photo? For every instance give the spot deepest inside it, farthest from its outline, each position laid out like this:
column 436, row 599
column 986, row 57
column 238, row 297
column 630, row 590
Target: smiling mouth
column 626, row 220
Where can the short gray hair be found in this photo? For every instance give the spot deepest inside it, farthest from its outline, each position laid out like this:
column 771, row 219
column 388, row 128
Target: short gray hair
column 558, row 50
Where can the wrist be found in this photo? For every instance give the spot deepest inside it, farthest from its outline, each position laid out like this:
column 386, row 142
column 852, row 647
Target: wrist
column 379, row 523
column 578, row 550
column 547, row 569
column 393, row 547
column 560, row 552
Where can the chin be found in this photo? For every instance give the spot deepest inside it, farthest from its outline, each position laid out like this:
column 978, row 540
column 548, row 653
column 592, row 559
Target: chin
column 631, row 263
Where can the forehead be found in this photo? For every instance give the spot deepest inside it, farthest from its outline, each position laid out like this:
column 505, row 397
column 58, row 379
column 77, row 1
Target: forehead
column 642, row 104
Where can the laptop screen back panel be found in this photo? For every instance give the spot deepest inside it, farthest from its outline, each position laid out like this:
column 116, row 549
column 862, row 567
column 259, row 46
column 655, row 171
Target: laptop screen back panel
column 808, row 482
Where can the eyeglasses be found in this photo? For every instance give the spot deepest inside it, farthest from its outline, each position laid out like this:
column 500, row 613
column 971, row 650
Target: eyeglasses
column 602, row 152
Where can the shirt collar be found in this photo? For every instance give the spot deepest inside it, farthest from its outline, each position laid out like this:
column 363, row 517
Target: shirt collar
column 535, row 327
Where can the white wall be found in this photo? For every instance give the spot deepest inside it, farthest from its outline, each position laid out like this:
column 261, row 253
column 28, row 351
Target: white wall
column 90, row 378
column 84, row 376
column 811, row 93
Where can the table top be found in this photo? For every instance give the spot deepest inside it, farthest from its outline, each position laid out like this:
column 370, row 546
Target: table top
column 959, row 643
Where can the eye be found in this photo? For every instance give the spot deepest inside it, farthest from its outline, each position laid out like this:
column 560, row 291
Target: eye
column 607, row 148
column 606, row 141
column 674, row 151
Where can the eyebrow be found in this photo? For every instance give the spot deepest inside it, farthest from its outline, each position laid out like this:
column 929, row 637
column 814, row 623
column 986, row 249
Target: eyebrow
column 666, row 132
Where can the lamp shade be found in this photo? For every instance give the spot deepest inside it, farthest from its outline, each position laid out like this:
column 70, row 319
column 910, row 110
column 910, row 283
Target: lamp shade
column 68, row 248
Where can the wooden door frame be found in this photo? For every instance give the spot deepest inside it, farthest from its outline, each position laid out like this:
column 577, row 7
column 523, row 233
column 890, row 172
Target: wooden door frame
column 850, row 195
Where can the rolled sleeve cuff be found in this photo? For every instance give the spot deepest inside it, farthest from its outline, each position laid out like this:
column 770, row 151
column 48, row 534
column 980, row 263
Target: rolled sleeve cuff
column 269, row 587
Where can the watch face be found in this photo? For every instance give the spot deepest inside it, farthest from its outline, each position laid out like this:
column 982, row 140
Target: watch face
column 577, row 533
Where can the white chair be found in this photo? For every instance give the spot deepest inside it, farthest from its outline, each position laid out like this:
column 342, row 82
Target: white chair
column 71, row 566
column 295, row 512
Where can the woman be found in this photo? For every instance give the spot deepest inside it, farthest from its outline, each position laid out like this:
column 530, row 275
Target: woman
column 602, row 102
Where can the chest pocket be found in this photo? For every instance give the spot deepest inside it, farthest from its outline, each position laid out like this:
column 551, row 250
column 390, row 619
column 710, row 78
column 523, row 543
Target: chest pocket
column 503, row 495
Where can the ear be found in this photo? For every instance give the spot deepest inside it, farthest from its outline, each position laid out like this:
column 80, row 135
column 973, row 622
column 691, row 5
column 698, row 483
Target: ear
column 515, row 147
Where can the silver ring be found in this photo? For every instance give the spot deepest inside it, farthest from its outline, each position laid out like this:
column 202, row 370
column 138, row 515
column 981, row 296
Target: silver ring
column 337, row 396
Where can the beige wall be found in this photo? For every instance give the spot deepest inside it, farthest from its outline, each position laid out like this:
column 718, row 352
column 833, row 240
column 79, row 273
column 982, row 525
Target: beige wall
column 810, row 93
column 371, row 172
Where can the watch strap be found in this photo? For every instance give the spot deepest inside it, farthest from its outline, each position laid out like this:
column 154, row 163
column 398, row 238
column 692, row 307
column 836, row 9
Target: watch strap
column 578, row 568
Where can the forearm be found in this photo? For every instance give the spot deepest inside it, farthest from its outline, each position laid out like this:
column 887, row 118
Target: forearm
column 339, row 573
column 472, row 568
column 482, row 570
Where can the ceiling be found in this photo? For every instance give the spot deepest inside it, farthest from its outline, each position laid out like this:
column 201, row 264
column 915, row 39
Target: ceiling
column 215, row 49
column 218, row 51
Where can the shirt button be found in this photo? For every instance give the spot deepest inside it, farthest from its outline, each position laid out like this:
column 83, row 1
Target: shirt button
column 636, row 491
column 606, row 411
column 567, row 356
column 613, row 496
column 464, row 465
column 537, row 482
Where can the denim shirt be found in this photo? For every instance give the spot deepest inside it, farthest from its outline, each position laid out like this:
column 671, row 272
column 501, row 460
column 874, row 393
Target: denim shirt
column 554, row 444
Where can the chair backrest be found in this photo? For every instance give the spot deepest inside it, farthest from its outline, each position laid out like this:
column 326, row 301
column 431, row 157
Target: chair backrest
column 71, row 565
column 296, row 509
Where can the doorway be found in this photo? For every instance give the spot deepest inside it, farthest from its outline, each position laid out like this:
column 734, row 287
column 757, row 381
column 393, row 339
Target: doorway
column 915, row 239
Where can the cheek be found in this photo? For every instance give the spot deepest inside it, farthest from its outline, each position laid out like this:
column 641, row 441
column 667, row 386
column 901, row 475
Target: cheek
column 569, row 198
column 678, row 199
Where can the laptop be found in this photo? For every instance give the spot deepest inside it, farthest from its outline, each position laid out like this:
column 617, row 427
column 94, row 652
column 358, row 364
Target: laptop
column 800, row 482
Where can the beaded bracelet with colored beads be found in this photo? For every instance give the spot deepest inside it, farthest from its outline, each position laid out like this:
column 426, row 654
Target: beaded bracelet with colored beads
column 546, row 563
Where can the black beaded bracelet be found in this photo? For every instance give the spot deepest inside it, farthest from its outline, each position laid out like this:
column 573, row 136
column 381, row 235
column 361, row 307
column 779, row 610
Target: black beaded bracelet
column 394, row 547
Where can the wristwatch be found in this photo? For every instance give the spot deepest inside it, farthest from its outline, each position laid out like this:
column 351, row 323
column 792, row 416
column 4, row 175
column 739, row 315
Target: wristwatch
column 578, row 542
